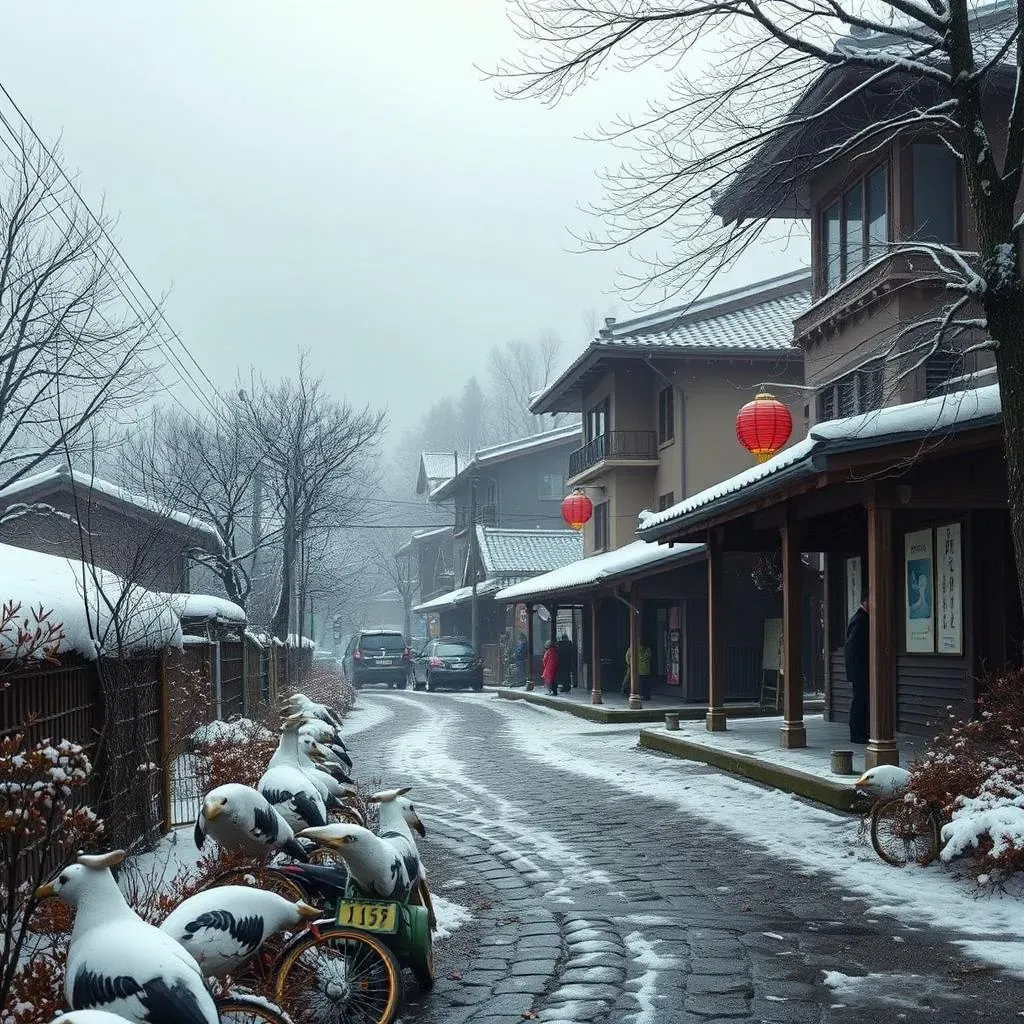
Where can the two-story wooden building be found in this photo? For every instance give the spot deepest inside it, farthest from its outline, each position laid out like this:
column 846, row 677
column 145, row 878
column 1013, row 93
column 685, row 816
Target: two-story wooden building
column 658, row 396
column 901, row 480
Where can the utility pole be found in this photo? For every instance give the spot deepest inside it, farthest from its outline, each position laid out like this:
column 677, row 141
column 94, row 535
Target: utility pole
column 474, row 609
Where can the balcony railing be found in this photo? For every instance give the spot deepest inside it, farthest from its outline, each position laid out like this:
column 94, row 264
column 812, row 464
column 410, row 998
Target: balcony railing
column 616, row 444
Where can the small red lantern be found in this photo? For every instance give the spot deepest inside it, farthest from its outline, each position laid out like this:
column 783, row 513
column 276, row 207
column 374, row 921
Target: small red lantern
column 763, row 426
column 577, row 509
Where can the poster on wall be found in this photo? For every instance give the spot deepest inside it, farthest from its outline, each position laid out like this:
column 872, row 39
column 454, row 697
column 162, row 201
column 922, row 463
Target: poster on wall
column 672, row 670
column 919, row 574
column 950, row 639
column 854, row 582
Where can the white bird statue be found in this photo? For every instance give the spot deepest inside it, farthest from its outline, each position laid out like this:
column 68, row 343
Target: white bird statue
column 224, row 926
column 119, row 963
column 379, row 867
column 299, row 702
column 327, row 735
column 242, row 820
column 294, row 750
column 398, row 818
column 298, row 798
column 307, row 758
column 885, row 780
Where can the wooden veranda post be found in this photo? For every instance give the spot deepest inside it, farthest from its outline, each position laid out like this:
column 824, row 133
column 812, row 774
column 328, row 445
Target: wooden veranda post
column 635, row 701
column 715, row 720
column 529, row 647
column 166, row 754
column 882, row 747
column 595, row 650
column 793, row 732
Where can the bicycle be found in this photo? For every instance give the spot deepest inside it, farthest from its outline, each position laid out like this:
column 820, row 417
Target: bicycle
column 905, row 831
column 240, row 1008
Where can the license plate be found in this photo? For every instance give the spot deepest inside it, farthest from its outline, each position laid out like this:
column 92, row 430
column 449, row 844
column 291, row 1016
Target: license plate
column 383, row 661
column 459, row 665
column 370, row 917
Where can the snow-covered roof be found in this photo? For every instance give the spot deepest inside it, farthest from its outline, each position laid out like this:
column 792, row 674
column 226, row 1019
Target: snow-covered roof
column 436, row 467
column 422, row 537
column 297, row 641
column 81, row 598
column 508, row 553
column 205, row 606
column 947, row 413
column 568, row 435
column 454, row 598
column 54, row 479
column 600, row 569
column 753, row 321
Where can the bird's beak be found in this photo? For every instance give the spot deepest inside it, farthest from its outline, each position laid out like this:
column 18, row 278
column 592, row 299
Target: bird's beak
column 862, row 781
column 321, row 835
column 306, row 912
column 213, row 810
column 420, row 827
column 45, row 891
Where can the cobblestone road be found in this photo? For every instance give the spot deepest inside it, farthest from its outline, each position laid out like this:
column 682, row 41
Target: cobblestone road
column 591, row 904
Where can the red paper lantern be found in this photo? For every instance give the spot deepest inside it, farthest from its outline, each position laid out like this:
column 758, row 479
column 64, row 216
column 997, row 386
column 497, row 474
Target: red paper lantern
column 763, row 426
column 577, row 509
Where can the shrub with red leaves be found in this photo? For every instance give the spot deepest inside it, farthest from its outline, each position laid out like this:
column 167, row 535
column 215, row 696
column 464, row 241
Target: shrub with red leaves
column 232, row 752
column 973, row 772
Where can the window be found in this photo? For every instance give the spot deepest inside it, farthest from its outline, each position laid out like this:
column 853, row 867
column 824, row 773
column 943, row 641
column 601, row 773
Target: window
column 666, row 415
column 939, row 367
column 551, row 487
column 935, row 177
column 597, row 420
column 389, row 642
column 601, row 539
column 854, row 229
column 857, row 392
column 666, row 501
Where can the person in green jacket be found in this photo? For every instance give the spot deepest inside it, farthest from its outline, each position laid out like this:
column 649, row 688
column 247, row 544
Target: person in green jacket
column 645, row 672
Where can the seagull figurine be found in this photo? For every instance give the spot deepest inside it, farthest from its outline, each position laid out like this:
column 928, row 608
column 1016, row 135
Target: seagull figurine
column 380, row 867
column 299, row 799
column 116, row 961
column 300, row 703
column 885, row 780
column 224, row 926
column 243, row 820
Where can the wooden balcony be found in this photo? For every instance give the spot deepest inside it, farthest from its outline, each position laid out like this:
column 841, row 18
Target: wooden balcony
column 615, row 448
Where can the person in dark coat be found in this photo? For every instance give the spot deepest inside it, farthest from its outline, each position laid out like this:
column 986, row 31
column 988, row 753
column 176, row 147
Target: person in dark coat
column 856, row 656
column 566, row 663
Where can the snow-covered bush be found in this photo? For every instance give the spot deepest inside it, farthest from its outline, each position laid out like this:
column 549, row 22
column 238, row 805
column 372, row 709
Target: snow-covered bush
column 973, row 773
column 235, row 751
column 326, row 686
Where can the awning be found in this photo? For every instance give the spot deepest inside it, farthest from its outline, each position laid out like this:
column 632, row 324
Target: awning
column 454, row 598
column 597, row 570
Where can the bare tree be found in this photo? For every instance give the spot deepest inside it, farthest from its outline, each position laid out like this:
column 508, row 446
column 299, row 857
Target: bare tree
column 73, row 351
column 316, row 451
column 761, row 96
column 393, row 566
column 518, row 370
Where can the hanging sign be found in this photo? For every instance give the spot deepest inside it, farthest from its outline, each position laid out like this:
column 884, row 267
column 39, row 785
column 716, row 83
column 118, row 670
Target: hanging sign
column 854, row 585
column 919, row 576
column 950, row 589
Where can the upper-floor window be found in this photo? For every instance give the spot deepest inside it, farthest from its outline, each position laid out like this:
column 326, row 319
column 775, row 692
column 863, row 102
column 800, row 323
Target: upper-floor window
column 666, row 501
column 601, row 538
column 597, row 420
column 935, row 175
column 666, row 415
column 857, row 392
column 855, row 228
column 551, row 487
column 939, row 368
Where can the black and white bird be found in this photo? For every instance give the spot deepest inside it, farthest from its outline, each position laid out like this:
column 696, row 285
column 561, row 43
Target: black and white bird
column 224, row 926
column 398, row 819
column 328, row 737
column 299, row 703
column 119, row 963
column 298, row 798
column 311, row 758
column 242, row 820
column 884, row 780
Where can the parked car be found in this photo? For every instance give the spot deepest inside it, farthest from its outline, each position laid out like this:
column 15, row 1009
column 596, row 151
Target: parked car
column 378, row 656
column 448, row 662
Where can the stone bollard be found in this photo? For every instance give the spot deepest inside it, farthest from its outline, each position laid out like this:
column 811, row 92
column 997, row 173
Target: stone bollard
column 842, row 762
column 672, row 722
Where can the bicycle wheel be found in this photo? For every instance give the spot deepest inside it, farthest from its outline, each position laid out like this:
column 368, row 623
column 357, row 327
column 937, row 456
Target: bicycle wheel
column 339, row 976
column 259, row 878
column 242, row 1009
column 904, row 833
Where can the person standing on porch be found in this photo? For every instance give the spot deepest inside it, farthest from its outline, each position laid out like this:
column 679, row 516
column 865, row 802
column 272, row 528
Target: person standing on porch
column 566, row 662
column 856, row 656
column 644, row 672
column 549, row 668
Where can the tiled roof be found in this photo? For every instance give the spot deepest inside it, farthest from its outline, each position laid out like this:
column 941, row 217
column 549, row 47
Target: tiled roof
column 518, row 553
column 751, row 322
column 568, row 435
column 441, row 465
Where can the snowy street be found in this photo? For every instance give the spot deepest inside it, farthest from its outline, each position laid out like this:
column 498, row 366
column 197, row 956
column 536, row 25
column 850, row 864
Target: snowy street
column 608, row 884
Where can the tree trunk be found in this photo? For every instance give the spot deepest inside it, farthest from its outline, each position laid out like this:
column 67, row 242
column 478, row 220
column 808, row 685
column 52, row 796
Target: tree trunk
column 279, row 626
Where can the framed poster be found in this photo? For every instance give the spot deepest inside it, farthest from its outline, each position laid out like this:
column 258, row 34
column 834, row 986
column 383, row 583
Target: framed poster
column 854, row 582
column 949, row 599
column 674, row 669
column 919, row 596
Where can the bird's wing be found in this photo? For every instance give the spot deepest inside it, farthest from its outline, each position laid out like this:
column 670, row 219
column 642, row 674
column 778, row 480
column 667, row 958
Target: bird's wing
column 229, row 935
column 200, row 831
column 173, row 1001
column 310, row 810
column 266, row 824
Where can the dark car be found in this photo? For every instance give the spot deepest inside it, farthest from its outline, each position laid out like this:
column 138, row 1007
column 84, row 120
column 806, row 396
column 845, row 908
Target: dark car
column 449, row 664
column 377, row 656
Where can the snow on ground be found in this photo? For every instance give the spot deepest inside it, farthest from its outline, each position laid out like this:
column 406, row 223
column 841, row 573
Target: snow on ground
column 820, row 842
column 422, row 753
column 450, row 916
column 645, row 954
column 174, row 851
column 363, row 717
column 892, row 991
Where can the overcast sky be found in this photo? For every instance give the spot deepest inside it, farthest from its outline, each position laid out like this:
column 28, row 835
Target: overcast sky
column 330, row 175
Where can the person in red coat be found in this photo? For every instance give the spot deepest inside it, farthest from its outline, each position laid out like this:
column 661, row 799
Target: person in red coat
column 549, row 667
